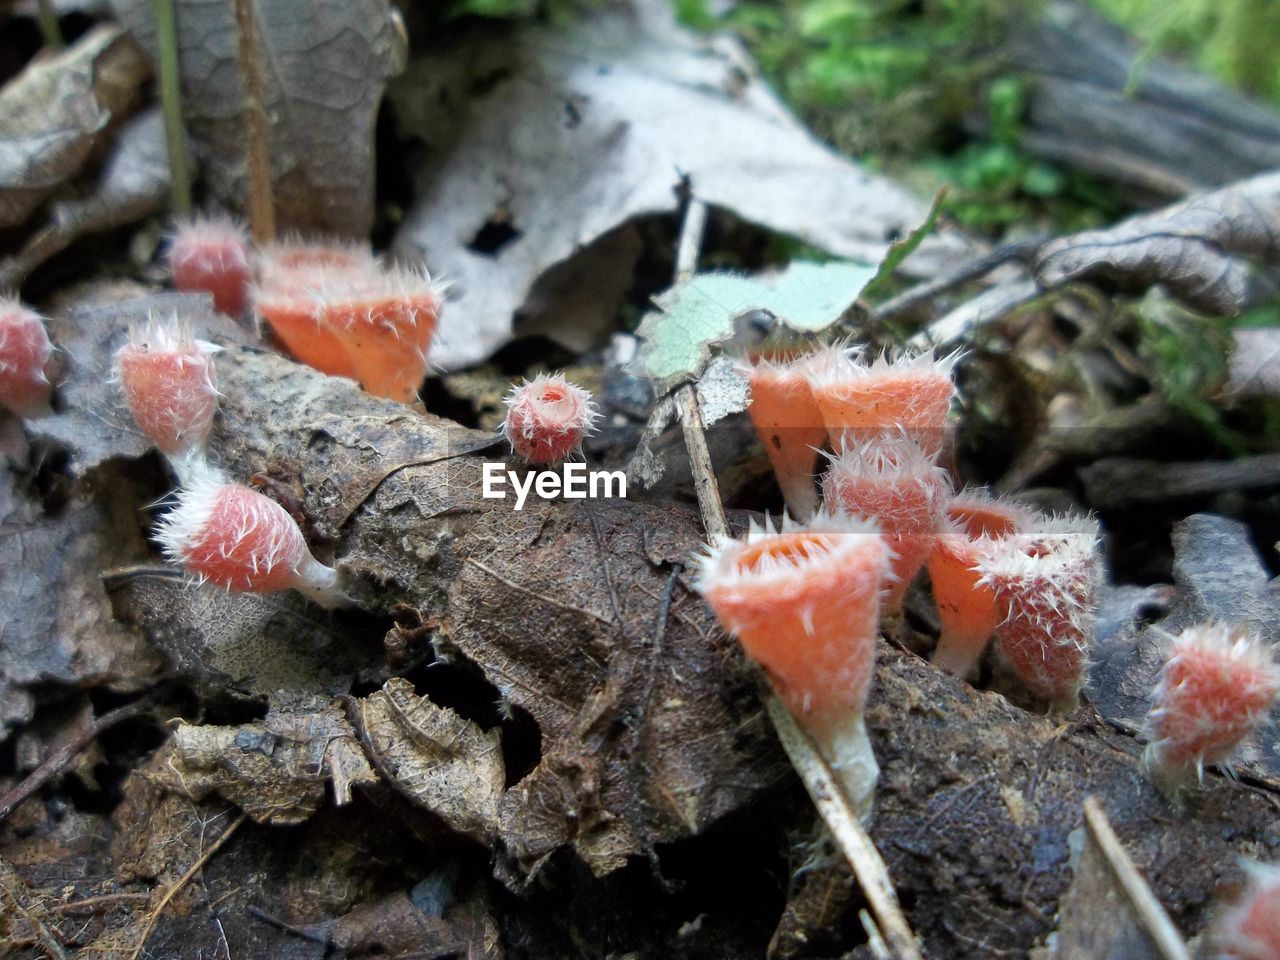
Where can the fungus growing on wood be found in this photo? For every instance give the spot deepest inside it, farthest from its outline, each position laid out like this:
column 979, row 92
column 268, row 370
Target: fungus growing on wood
column 212, row 255
column 860, row 400
column 804, row 602
column 171, row 386
column 25, row 352
column 547, row 419
column 789, row 423
column 1250, row 928
column 1046, row 585
column 1217, row 686
column 967, row 609
column 237, row 538
column 892, row 480
column 337, row 309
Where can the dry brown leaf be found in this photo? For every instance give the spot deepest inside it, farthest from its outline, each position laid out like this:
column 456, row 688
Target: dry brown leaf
column 1196, row 248
column 323, row 71
column 1217, row 575
column 134, row 183
column 434, row 757
column 361, row 441
column 53, row 114
column 275, row 770
column 239, row 646
column 650, row 726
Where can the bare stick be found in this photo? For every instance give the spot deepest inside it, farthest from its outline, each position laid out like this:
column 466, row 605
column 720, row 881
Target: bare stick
column 50, row 30
column 695, row 436
column 262, row 212
column 92, row 904
column 847, row 829
column 1154, row 921
column 47, row 940
column 986, row 308
column 929, row 290
column 182, row 881
column 171, row 102
column 65, row 754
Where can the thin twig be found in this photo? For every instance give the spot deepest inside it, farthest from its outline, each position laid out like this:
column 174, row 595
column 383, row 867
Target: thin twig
column 879, row 949
column 262, row 212
column 93, row 903
column 183, row 880
column 1152, row 917
column 50, row 29
column 986, row 308
column 848, row 831
column 65, row 754
column 695, row 437
column 171, row 103
column 923, row 293
column 43, row 934
column 704, row 483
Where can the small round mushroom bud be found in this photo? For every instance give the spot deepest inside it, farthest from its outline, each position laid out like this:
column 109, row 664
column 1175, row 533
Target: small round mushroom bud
column 890, row 479
column 1218, row 685
column 804, row 602
column 211, row 255
column 966, row 608
column 789, row 423
column 237, row 538
column 171, row 386
column 338, row 310
column 860, row 400
column 1046, row 586
column 25, row 351
column 547, row 419
column 1250, row 929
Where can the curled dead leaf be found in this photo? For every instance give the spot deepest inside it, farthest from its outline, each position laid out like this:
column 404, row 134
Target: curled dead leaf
column 134, row 183
column 436, row 758
column 275, row 770
column 620, row 106
column 1197, row 248
column 53, row 114
column 94, row 424
column 1254, row 364
column 56, row 623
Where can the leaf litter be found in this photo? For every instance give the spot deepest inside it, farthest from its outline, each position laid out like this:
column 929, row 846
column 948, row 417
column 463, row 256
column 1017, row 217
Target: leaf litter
column 622, row 720
column 621, row 109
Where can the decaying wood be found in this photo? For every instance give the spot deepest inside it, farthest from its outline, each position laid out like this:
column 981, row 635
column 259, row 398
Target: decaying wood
column 1123, row 481
column 556, row 606
column 1159, row 129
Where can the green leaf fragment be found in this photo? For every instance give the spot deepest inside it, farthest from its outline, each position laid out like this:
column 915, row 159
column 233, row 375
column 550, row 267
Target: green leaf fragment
column 699, row 313
column 899, row 250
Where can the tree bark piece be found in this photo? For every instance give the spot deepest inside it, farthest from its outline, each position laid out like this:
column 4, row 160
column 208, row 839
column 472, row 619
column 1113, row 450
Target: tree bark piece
column 1158, row 128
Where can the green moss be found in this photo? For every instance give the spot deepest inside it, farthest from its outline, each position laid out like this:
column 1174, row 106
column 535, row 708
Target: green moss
column 1238, row 41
